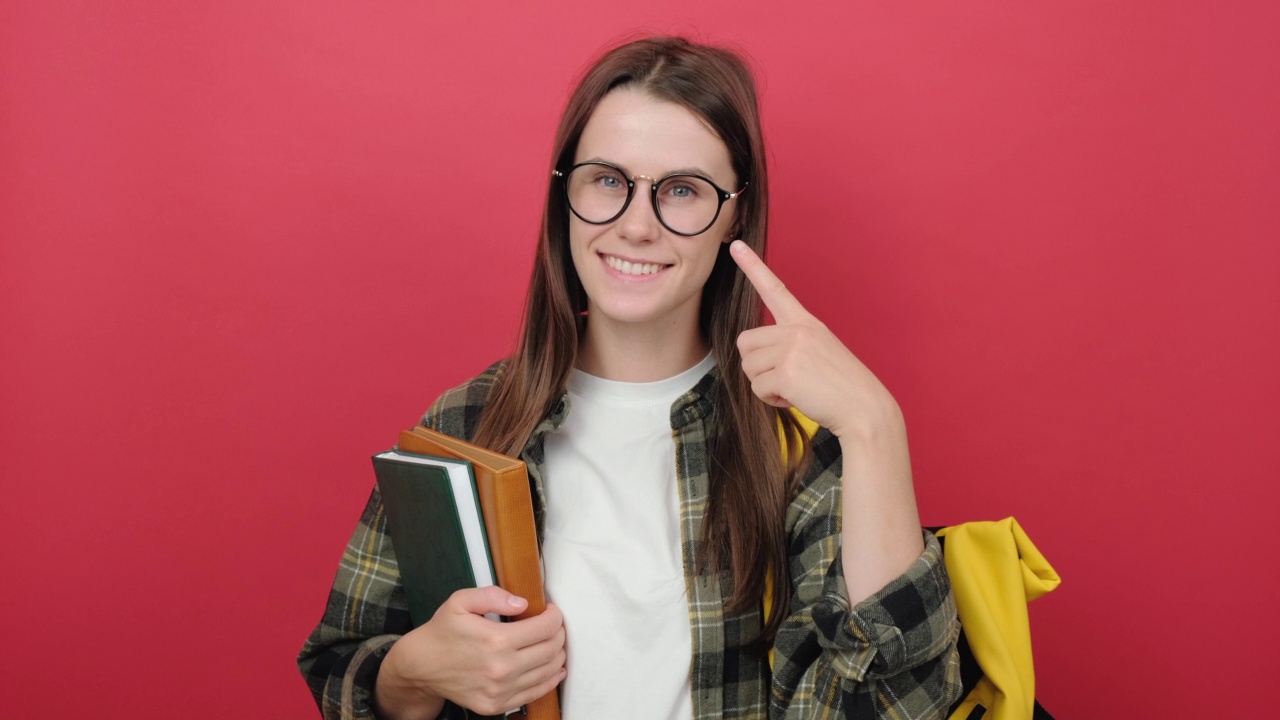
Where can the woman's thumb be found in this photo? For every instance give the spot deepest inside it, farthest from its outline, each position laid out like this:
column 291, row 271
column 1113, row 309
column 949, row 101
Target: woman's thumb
column 491, row 599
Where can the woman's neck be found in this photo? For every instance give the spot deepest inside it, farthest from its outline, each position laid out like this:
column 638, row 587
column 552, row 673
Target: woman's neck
column 639, row 354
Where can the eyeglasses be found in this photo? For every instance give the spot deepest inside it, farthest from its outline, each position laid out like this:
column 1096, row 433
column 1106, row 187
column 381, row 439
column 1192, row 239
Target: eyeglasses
column 686, row 204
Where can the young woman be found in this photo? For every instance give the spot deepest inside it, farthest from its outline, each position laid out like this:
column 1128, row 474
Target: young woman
column 678, row 493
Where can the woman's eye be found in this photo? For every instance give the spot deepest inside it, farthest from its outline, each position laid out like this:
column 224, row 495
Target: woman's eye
column 681, row 191
column 609, row 182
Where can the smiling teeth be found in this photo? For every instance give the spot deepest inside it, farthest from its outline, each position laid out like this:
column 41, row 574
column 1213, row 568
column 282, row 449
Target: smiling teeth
column 630, row 268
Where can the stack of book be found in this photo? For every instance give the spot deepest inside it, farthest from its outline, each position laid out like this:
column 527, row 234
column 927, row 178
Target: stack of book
column 461, row 516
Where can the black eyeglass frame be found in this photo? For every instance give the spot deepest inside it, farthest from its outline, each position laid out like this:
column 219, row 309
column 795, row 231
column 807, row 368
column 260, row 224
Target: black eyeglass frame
column 722, row 195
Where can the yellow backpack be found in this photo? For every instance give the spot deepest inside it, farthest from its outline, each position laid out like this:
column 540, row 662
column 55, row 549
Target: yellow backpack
column 995, row 571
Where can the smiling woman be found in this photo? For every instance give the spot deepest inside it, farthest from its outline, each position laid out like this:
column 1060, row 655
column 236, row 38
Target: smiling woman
column 643, row 281
column 648, row 400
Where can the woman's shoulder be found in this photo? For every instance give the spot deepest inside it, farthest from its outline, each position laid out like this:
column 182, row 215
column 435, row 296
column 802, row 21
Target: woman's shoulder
column 457, row 411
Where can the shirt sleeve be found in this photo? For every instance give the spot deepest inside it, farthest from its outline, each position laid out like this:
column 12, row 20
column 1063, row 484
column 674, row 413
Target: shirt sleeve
column 892, row 655
column 367, row 609
column 366, row 613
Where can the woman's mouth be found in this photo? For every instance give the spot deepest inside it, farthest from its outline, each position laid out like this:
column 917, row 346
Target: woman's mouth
column 628, row 267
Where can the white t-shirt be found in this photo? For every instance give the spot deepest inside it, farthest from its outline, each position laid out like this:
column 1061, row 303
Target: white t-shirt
column 611, row 549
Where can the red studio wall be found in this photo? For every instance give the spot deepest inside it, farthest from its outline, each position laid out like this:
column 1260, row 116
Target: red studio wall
column 242, row 244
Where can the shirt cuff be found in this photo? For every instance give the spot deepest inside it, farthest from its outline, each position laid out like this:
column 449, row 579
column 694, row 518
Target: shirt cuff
column 904, row 624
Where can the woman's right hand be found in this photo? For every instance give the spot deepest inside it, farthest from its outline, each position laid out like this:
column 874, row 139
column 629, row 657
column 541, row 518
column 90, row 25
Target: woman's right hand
column 462, row 656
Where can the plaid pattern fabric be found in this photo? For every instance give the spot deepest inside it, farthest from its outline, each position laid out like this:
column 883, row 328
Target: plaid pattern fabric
column 891, row 656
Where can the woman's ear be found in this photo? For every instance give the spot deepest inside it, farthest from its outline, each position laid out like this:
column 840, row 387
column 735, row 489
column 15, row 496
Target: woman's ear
column 731, row 235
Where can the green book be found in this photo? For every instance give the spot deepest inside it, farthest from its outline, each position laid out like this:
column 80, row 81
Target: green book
column 436, row 527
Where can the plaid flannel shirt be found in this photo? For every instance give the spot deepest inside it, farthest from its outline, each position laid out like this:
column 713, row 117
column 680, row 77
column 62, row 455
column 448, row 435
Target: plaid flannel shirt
column 891, row 656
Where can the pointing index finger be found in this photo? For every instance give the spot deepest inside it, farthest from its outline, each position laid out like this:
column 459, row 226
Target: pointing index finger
column 777, row 298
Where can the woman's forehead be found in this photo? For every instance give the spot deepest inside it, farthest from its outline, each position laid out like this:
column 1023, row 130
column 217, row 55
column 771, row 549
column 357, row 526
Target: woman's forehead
column 649, row 136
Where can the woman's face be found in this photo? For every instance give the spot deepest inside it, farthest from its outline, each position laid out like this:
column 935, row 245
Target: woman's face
column 634, row 270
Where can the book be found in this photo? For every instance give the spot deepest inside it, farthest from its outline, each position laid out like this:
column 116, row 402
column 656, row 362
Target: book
column 506, row 503
column 436, row 527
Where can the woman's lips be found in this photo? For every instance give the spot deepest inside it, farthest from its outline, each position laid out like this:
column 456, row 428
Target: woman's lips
column 632, row 269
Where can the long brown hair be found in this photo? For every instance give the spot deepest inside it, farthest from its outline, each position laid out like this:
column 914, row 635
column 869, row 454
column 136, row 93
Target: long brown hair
column 750, row 482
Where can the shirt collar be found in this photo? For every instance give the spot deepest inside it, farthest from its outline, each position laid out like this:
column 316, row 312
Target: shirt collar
column 694, row 405
column 698, row 403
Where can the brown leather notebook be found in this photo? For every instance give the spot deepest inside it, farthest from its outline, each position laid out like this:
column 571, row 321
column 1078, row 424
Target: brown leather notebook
column 507, row 506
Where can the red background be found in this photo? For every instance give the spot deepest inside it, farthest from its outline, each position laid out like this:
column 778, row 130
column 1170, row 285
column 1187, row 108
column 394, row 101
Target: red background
column 243, row 243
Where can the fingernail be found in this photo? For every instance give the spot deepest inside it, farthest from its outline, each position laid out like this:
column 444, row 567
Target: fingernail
column 516, row 602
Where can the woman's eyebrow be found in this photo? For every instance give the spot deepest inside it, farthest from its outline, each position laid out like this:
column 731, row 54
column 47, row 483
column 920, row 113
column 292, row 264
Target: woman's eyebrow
column 693, row 170
column 690, row 170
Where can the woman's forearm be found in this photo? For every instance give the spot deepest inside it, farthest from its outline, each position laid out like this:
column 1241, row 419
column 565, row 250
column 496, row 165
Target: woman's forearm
column 880, row 534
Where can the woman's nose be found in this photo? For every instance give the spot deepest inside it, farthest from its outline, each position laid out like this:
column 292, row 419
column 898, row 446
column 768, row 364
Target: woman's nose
column 640, row 221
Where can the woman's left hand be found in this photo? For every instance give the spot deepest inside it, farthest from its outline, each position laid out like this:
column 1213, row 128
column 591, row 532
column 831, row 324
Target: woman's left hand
column 799, row 363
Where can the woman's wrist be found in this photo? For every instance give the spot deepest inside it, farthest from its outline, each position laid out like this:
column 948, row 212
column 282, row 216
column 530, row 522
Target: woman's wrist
column 871, row 424
column 397, row 697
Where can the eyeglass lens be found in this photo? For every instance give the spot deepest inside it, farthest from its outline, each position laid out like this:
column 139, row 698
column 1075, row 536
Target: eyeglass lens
column 686, row 204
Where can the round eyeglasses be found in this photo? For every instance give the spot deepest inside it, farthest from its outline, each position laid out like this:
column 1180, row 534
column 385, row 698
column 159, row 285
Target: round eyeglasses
column 686, row 204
